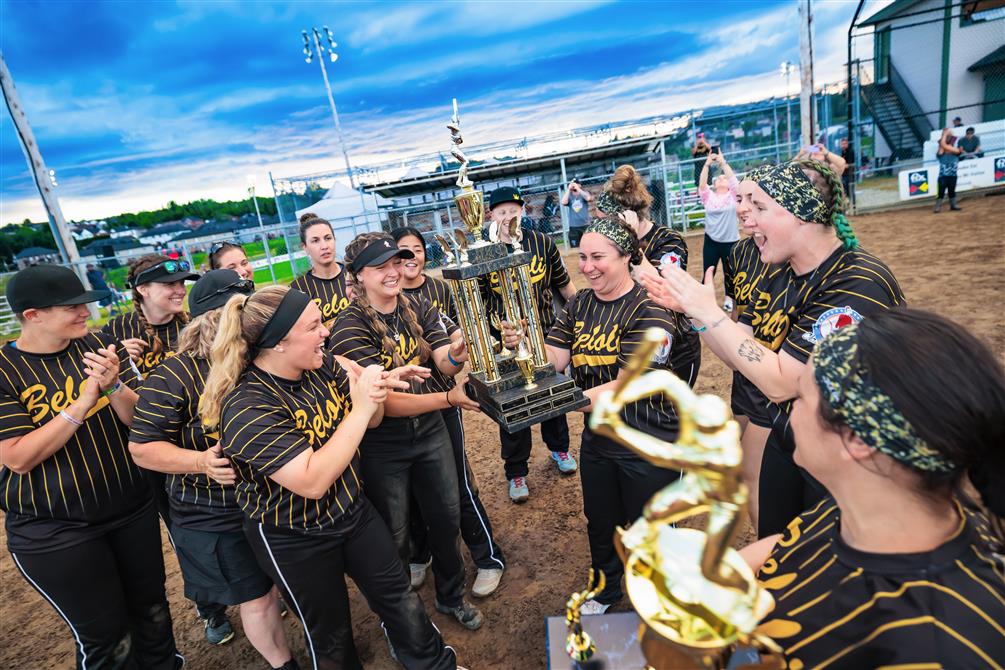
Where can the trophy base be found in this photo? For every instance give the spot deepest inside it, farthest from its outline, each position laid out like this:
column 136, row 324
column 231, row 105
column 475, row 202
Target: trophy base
column 509, row 402
column 486, row 259
column 620, row 639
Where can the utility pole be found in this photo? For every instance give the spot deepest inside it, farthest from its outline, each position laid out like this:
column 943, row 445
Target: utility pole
column 786, row 71
column 308, row 57
column 806, row 71
column 43, row 182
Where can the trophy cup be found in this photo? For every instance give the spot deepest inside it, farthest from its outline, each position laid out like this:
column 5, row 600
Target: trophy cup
column 697, row 597
column 515, row 389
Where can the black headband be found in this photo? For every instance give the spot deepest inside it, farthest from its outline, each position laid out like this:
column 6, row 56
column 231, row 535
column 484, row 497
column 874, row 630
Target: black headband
column 290, row 308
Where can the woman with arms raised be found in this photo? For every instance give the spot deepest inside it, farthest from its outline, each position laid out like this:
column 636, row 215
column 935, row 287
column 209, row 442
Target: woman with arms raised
column 291, row 419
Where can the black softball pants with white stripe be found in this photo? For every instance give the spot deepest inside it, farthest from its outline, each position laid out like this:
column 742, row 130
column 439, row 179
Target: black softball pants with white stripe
column 110, row 592
column 310, row 569
column 476, row 529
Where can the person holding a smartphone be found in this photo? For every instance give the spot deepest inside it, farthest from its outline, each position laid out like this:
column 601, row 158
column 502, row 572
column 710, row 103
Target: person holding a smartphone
column 721, row 231
column 577, row 199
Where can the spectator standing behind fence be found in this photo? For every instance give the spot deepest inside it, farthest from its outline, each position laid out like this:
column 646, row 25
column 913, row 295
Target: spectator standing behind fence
column 949, row 158
column 721, row 231
column 848, row 156
column 700, row 150
column 577, row 199
column 971, row 145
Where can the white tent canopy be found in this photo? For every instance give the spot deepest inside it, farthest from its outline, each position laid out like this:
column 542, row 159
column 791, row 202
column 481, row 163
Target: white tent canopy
column 341, row 202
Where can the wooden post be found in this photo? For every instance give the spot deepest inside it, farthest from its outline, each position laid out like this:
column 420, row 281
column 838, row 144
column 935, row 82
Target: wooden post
column 60, row 233
column 805, row 73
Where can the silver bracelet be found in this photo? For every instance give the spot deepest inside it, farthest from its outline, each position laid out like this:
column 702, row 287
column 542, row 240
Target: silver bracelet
column 69, row 419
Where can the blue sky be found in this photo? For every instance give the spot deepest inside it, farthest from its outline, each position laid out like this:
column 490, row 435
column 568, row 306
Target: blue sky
column 138, row 103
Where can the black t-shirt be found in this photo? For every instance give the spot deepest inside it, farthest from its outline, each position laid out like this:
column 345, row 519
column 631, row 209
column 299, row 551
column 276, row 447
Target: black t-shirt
column 437, row 292
column 740, row 275
column 848, row 154
column 791, row 313
column 88, row 485
column 168, row 411
column 969, row 145
column 330, row 295
column 266, row 422
column 128, row 325
column 601, row 336
column 547, row 275
column 354, row 337
column 838, row 607
column 664, row 246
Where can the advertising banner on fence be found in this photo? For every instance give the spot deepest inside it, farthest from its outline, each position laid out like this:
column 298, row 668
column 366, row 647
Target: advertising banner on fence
column 917, row 183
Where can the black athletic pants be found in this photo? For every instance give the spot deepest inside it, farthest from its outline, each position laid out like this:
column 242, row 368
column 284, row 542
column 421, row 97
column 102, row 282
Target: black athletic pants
column 615, row 489
column 110, row 592
column 575, row 235
column 516, row 446
column 418, row 463
column 713, row 252
column 157, row 481
column 310, row 569
column 947, row 186
column 785, row 490
column 476, row 529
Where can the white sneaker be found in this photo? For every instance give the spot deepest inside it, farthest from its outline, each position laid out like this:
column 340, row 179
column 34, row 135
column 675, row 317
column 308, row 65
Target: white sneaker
column 518, row 490
column 417, row 572
column 592, row 607
column 486, row 582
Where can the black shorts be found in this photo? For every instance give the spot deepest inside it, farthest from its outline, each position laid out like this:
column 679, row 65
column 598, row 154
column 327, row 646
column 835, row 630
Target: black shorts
column 746, row 400
column 218, row 567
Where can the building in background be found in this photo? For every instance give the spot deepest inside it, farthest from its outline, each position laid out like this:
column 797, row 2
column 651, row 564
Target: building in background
column 36, row 255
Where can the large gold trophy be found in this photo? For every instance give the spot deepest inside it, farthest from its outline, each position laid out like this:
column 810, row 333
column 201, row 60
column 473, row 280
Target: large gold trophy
column 697, row 597
column 515, row 389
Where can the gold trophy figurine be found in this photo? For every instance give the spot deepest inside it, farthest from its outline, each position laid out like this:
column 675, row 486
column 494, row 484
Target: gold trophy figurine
column 470, row 203
column 579, row 645
column 525, row 361
column 696, row 595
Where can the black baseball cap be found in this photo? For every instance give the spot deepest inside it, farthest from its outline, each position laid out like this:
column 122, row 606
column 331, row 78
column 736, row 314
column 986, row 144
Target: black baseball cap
column 165, row 272
column 378, row 252
column 214, row 289
column 41, row 286
column 504, row 194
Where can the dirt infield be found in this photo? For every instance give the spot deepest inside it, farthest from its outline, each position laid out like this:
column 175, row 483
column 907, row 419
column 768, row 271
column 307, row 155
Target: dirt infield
column 950, row 263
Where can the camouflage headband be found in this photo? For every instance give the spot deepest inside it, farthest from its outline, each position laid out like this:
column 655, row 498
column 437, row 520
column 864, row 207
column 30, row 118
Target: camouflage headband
column 789, row 186
column 608, row 204
column 616, row 232
column 865, row 408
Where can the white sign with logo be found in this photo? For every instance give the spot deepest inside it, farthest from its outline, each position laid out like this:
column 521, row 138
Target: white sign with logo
column 920, row 182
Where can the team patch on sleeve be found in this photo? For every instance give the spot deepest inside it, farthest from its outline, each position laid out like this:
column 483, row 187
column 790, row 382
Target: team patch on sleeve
column 662, row 353
column 831, row 321
column 670, row 258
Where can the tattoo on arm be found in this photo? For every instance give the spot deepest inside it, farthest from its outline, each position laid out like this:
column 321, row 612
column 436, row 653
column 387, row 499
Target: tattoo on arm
column 751, row 351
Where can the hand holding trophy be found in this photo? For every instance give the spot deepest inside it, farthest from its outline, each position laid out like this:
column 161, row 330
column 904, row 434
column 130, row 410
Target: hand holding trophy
column 696, row 595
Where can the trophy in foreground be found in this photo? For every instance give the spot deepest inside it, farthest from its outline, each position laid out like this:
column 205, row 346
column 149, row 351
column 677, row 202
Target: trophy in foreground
column 697, row 597
column 515, row 389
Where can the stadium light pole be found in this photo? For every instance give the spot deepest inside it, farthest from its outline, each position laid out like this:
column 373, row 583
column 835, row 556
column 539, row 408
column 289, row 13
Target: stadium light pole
column 786, row 69
column 308, row 57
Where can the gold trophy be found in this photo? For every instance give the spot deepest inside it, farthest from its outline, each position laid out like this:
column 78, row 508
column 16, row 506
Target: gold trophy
column 579, row 645
column 516, row 390
column 695, row 594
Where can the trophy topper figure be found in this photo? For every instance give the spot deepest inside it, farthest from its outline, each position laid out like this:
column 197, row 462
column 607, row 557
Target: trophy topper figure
column 455, row 136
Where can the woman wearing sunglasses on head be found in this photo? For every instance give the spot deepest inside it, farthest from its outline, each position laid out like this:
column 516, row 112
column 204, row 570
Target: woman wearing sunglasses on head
column 231, row 256
column 291, row 419
column 325, row 282
column 80, row 523
column 167, row 436
column 409, row 454
column 476, row 529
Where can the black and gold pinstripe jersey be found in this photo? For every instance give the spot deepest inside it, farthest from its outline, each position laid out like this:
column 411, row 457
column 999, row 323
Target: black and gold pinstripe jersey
column 601, row 335
column 742, row 271
column 330, row 295
column 664, row 246
column 266, row 422
column 168, row 411
column 791, row 313
column 837, row 607
column 547, row 275
column 437, row 292
column 85, row 485
column 128, row 325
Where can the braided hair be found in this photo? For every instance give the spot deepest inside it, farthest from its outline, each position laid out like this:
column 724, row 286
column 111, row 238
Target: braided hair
column 377, row 324
column 828, row 183
column 136, row 266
